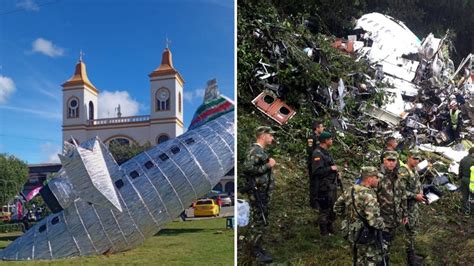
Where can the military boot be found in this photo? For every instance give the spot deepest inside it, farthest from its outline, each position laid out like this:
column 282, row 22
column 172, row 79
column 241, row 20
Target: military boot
column 413, row 259
column 331, row 229
column 323, row 230
column 262, row 257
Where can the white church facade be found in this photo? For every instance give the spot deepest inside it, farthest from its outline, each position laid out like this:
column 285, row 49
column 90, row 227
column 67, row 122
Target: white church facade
column 165, row 121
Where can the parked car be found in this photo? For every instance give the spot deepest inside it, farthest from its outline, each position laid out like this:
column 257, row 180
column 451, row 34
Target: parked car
column 226, row 200
column 206, row 207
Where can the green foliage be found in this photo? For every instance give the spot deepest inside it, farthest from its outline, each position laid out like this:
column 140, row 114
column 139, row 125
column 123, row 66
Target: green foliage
column 13, row 174
column 123, row 153
column 6, row 228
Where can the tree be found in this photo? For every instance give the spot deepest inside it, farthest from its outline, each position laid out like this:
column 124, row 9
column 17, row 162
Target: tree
column 123, row 152
column 13, row 175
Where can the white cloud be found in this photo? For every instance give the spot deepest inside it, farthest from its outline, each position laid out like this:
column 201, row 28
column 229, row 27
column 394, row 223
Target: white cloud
column 7, row 87
column 56, row 116
column 108, row 102
column 29, row 5
column 46, row 47
column 192, row 95
column 51, row 151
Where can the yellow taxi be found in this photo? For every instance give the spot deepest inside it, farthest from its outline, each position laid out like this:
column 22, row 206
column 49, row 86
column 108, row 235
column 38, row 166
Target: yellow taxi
column 206, row 207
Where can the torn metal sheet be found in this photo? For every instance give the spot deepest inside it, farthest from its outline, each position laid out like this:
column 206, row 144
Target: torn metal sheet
column 391, row 40
column 381, row 114
column 273, row 107
column 446, row 152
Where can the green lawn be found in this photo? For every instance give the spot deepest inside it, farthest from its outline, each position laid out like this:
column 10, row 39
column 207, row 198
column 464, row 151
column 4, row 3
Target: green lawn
column 200, row 242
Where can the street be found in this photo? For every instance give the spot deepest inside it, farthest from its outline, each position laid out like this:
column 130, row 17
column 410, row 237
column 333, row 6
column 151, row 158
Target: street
column 225, row 212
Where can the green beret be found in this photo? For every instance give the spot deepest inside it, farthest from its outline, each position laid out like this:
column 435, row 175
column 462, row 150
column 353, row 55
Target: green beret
column 366, row 171
column 324, row 136
column 390, row 155
column 263, row 129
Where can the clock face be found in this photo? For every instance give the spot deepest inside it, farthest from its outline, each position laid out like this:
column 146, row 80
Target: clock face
column 163, row 94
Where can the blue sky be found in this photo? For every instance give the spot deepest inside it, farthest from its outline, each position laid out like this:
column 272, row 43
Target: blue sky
column 122, row 41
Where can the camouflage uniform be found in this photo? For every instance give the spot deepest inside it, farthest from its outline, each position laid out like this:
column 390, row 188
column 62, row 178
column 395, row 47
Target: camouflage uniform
column 327, row 188
column 413, row 187
column 392, row 199
column 365, row 200
column 464, row 175
column 257, row 170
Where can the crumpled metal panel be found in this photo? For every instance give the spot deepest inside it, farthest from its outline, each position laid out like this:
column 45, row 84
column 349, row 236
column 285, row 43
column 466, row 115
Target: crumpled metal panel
column 152, row 188
column 86, row 170
column 62, row 189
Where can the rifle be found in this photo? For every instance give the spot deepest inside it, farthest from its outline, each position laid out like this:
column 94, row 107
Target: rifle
column 379, row 244
column 339, row 182
column 254, row 189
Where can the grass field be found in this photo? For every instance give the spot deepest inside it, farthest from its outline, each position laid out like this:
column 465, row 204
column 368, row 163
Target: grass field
column 200, row 242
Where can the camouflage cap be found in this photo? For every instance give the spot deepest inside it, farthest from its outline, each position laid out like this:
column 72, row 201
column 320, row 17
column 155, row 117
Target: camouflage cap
column 264, row 129
column 366, row 171
column 414, row 153
column 390, row 155
column 324, row 136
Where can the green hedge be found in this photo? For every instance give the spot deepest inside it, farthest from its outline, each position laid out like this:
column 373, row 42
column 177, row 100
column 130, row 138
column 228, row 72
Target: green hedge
column 5, row 228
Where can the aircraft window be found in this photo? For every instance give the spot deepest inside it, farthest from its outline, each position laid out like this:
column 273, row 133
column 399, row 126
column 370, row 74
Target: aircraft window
column 149, row 164
column 42, row 228
column 119, row 183
column 189, row 141
column 134, row 174
column 175, row 149
column 55, row 220
column 164, row 157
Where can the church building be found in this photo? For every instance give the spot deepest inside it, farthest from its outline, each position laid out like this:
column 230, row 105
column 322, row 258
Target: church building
column 165, row 121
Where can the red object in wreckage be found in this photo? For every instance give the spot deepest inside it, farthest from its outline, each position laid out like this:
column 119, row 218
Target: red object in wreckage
column 19, row 208
column 275, row 108
column 33, row 193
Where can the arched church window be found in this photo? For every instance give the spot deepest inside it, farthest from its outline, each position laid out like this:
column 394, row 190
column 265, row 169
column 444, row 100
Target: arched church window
column 73, row 108
column 162, row 99
column 162, row 138
column 91, row 110
column 179, row 104
column 119, row 141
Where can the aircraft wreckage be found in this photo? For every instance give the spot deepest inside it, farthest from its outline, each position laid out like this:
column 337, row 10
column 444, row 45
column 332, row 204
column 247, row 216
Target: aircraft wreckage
column 100, row 207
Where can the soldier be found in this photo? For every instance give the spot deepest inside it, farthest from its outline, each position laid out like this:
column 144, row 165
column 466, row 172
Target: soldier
column 390, row 145
column 324, row 170
column 258, row 170
column 465, row 175
column 312, row 144
column 391, row 197
column 359, row 207
column 414, row 194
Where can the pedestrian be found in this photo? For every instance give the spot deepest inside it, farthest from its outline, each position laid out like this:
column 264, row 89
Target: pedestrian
column 325, row 172
column 391, row 197
column 312, row 144
column 455, row 121
column 258, row 172
column 464, row 175
column 359, row 208
column 414, row 195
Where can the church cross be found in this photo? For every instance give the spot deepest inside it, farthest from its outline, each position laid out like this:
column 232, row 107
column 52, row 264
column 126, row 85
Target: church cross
column 81, row 54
